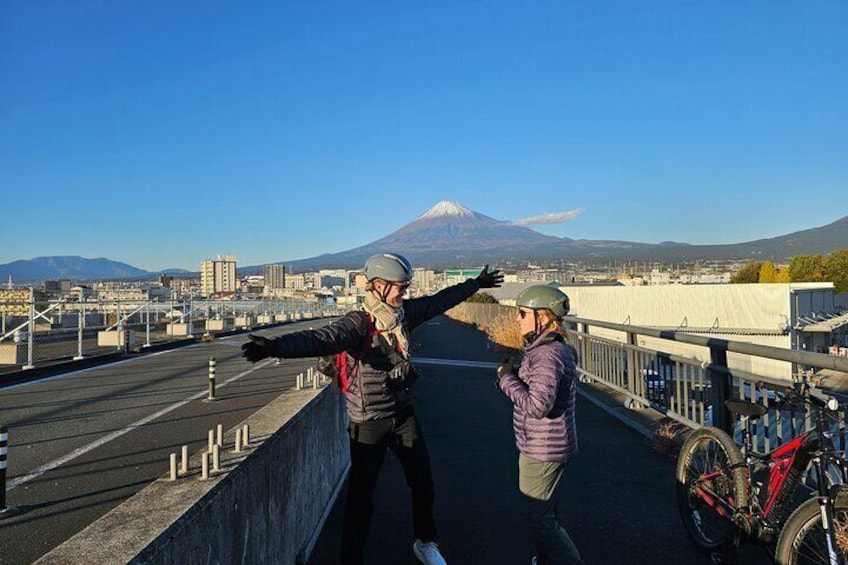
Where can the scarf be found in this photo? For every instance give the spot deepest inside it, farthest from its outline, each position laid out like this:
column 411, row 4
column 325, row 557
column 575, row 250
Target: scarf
column 389, row 321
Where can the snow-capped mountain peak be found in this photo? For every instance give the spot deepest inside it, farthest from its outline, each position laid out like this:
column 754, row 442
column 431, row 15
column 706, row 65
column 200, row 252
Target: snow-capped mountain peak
column 447, row 208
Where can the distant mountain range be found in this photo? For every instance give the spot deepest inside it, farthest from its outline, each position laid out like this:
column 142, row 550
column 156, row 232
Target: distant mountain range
column 450, row 234
column 74, row 268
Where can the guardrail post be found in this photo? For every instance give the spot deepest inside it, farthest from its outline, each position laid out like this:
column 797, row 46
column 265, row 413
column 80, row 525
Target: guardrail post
column 80, row 323
column 31, row 331
column 634, row 372
column 147, row 324
column 586, row 346
column 721, row 385
column 211, row 379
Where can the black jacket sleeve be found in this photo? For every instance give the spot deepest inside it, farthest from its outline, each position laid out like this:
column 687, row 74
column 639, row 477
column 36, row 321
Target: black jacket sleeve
column 344, row 334
column 419, row 310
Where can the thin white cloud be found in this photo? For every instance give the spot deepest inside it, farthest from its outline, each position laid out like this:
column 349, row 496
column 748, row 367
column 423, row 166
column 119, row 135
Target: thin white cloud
column 549, row 218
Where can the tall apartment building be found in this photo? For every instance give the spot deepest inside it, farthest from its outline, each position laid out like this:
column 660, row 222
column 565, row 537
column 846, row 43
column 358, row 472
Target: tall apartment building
column 275, row 276
column 218, row 276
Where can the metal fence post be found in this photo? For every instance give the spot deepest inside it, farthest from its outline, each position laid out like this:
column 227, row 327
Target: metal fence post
column 588, row 366
column 147, row 324
column 634, row 372
column 80, row 320
column 30, row 337
column 721, row 385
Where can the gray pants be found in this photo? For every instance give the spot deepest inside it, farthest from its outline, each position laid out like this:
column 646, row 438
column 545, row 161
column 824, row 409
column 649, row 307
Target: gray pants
column 537, row 481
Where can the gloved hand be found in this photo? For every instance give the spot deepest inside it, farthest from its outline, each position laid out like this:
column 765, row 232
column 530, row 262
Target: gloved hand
column 257, row 348
column 490, row 279
column 399, row 372
column 506, row 366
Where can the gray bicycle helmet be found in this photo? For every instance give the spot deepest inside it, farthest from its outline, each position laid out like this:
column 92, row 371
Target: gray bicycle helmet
column 389, row 267
column 540, row 296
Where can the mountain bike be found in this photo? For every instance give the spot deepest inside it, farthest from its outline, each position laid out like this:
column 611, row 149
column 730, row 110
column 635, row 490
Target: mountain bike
column 727, row 495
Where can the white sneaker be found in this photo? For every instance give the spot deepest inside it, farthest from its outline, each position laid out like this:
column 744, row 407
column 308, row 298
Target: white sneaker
column 428, row 553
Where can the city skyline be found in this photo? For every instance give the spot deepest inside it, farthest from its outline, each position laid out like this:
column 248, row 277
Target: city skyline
column 158, row 135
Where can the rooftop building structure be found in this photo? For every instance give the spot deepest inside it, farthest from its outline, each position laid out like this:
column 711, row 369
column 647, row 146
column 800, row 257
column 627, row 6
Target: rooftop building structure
column 218, row 276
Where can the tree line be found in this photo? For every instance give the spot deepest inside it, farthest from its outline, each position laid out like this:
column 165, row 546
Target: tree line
column 802, row 268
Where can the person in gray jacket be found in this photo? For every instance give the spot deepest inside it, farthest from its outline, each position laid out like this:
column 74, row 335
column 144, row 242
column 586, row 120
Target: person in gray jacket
column 377, row 396
column 542, row 392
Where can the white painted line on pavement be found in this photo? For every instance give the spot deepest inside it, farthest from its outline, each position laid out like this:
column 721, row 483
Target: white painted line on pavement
column 116, row 434
column 455, row 363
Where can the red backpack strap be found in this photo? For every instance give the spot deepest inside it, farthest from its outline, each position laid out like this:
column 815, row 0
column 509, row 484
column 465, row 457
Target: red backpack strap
column 346, row 376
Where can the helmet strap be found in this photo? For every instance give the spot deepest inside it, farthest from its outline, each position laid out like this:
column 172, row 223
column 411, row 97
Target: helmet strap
column 383, row 294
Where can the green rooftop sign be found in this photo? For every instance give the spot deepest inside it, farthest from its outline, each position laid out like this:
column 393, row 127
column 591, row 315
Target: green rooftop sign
column 470, row 273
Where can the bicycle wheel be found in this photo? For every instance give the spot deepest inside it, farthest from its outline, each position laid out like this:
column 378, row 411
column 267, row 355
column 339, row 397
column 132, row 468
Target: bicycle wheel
column 802, row 540
column 709, row 462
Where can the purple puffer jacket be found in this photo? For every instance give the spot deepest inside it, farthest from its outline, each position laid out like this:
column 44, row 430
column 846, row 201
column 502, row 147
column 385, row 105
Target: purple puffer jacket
column 542, row 395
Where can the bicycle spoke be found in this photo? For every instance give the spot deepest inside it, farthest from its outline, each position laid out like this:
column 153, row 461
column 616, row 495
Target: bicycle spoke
column 707, row 460
column 811, row 545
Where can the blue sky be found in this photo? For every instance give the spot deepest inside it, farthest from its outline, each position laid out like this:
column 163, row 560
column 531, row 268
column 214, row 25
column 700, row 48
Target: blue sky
column 162, row 133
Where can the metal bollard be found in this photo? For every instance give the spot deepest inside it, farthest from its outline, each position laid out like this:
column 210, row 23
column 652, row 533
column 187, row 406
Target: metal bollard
column 204, row 466
column 211, row 379
column 173, row 466
column 238, row 441
column 216, row 458
column 220, row 435
column 211, row 440
column 245, row 435
column 4, row 449
column 184, row 460
column 314, row 377
column 5, row 511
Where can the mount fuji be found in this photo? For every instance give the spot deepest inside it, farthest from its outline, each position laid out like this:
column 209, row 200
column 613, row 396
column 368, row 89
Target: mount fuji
column 449, row 234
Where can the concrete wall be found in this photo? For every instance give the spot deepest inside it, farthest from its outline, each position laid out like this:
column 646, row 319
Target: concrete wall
column 264, row 507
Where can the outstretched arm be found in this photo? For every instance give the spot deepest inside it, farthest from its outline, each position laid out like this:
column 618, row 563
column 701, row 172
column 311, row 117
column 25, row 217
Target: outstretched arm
column 419, row 310
column 343, row 334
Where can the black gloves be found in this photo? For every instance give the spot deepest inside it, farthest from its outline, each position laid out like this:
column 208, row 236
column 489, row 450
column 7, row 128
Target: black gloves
column 257, row 348
column 506, row 366
column 489, row 279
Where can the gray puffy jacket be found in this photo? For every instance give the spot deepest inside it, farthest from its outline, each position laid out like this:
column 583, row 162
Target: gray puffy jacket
column 370, row 397
column 542, row 394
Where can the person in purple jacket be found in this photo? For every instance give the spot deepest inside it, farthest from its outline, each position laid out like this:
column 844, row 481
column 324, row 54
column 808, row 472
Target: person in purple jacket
column 542, row 393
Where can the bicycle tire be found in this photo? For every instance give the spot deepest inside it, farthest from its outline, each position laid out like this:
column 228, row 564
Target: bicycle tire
column 802, row 539
column 710, row 450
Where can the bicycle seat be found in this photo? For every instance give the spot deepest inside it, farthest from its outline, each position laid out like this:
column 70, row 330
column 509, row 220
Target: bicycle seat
column 745, row 408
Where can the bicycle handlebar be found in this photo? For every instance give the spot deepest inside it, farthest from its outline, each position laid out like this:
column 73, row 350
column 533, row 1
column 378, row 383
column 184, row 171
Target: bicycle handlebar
column 803, row 393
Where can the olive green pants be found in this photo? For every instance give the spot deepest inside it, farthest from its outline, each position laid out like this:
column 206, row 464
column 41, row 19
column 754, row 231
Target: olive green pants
column 537, row 481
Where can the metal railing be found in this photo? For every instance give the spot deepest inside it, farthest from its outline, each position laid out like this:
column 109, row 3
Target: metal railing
column 684, row 376
column 59, row 330
column 692, row 390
